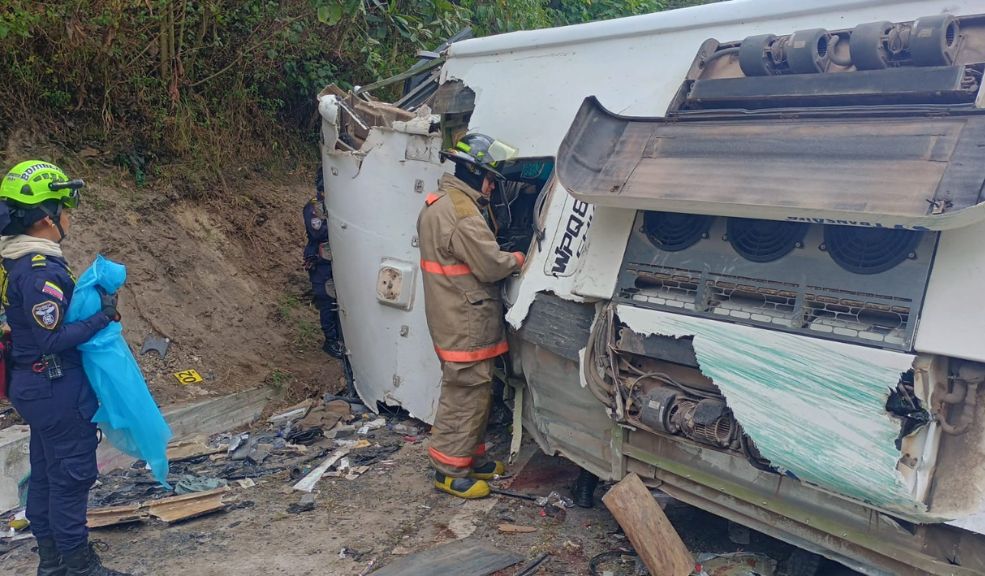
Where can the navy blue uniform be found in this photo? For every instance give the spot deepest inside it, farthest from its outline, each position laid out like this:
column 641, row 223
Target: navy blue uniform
column 318, row 263
column 58, row 407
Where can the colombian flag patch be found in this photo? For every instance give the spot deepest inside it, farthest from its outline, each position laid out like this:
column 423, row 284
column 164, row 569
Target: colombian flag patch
column 52, row 289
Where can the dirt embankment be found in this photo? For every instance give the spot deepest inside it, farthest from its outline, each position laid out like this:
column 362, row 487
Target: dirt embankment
column 220, row 278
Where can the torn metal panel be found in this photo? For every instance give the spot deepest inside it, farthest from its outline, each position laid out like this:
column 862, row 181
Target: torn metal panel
column 558, row 325
column 358, row 115
column 562, row 416
column 454, row 97
column 814, row 408
column 375, row 260
column 554, row 259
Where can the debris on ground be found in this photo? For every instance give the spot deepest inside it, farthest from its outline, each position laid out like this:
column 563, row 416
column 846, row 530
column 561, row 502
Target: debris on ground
column 307, row 484
column 305, row 504
column 735, row 564
column 530, row 529
column 460, row 557
column 172, row 509
column 190, row 448
column 190, row 484
column 155, row 343
column 648, row 528
column 114, row 515
column 534, row 566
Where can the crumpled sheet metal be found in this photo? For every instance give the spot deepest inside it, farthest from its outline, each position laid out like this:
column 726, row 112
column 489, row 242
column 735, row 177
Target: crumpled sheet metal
column 813, row 407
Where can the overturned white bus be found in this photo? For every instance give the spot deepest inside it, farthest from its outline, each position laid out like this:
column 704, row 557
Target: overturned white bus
column 754, row 233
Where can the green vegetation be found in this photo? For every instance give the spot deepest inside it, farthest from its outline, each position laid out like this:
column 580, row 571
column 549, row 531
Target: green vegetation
column 211, row 90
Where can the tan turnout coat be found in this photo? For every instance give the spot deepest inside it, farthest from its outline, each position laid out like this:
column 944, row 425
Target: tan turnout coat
column 461, row 263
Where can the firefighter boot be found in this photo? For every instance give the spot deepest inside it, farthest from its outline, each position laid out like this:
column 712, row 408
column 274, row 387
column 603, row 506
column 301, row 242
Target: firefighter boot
column 583, row 491
column 51, row 560
column 468, row 488
column 488, row 471
column 83, row 561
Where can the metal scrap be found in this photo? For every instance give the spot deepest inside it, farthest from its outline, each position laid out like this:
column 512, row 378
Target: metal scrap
column 156, row 343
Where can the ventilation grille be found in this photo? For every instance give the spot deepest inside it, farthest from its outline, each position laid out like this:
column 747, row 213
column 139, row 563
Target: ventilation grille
column 673, row 232
column 851, row 284
column 869, row 250
column 873, row 319
column 764, row 240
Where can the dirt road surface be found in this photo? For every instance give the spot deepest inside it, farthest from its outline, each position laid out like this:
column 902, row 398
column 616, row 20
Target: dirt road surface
column 387, row 513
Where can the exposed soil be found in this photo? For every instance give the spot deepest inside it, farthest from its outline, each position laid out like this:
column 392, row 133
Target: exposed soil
column 389, row 512
column 222, row 280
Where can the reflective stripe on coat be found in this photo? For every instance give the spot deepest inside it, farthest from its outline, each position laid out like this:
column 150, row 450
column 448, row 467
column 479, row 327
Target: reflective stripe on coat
column 461, row 263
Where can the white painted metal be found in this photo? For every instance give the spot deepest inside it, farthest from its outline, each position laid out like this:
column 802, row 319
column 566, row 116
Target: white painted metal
column 528, row 87
column 373, row 207
column 953, row 320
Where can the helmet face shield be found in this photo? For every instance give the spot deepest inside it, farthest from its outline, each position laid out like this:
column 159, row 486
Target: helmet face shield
column 481, row 153
column 501, row 151
column 73, row 197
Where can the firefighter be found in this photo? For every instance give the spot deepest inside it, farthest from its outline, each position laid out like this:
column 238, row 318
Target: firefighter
column 48, row 386
column 318, row 263
column 461, row 264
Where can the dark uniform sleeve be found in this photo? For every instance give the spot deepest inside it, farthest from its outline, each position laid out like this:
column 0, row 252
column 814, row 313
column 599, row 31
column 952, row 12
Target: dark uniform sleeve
column 46, row 298
column 314, row 225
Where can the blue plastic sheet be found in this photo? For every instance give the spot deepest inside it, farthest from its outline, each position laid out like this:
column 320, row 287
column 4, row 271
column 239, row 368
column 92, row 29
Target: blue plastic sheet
column 127, row 415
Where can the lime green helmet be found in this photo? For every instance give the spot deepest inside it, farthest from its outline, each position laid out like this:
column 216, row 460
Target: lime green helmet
column 478, row 153
column 34, row 181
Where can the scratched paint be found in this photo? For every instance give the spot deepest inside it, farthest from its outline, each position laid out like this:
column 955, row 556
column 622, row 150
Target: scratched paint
column 814, row 408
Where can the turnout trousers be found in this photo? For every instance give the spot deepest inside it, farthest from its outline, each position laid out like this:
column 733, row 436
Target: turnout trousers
column 458, row 434
column 63, row 452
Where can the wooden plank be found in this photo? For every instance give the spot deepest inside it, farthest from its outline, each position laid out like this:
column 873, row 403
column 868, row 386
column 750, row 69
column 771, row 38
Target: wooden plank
column 114, row 515
column 188, row 505
column 190, row 448
column 307, row 484
column 648, row 529
column 459, row 557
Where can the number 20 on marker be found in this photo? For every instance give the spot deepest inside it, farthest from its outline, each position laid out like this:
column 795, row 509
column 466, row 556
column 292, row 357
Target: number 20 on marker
column 188, row 377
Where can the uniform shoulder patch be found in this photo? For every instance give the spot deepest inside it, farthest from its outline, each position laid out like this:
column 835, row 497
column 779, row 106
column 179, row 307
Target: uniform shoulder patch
column 39, row 261
column 464, row 206
column 52, row 289
column 47, row 314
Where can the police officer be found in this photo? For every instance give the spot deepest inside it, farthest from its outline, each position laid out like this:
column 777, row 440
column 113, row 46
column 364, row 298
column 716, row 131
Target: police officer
column 461, row 264
column 48, row 386
column 318, row 263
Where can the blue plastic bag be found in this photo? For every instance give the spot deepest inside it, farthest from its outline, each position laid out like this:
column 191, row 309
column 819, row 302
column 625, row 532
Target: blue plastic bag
column 127, row 415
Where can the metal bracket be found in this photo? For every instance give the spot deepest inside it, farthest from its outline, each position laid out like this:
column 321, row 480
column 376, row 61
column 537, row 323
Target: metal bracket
column 517, row 423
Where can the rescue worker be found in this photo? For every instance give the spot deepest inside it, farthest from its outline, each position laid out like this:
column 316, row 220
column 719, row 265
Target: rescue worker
column 461, row 265
column 48, row 386
column 318, row 263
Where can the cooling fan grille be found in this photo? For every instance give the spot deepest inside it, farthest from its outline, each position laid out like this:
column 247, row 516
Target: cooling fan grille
column 673, row 232
column 764, row 240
